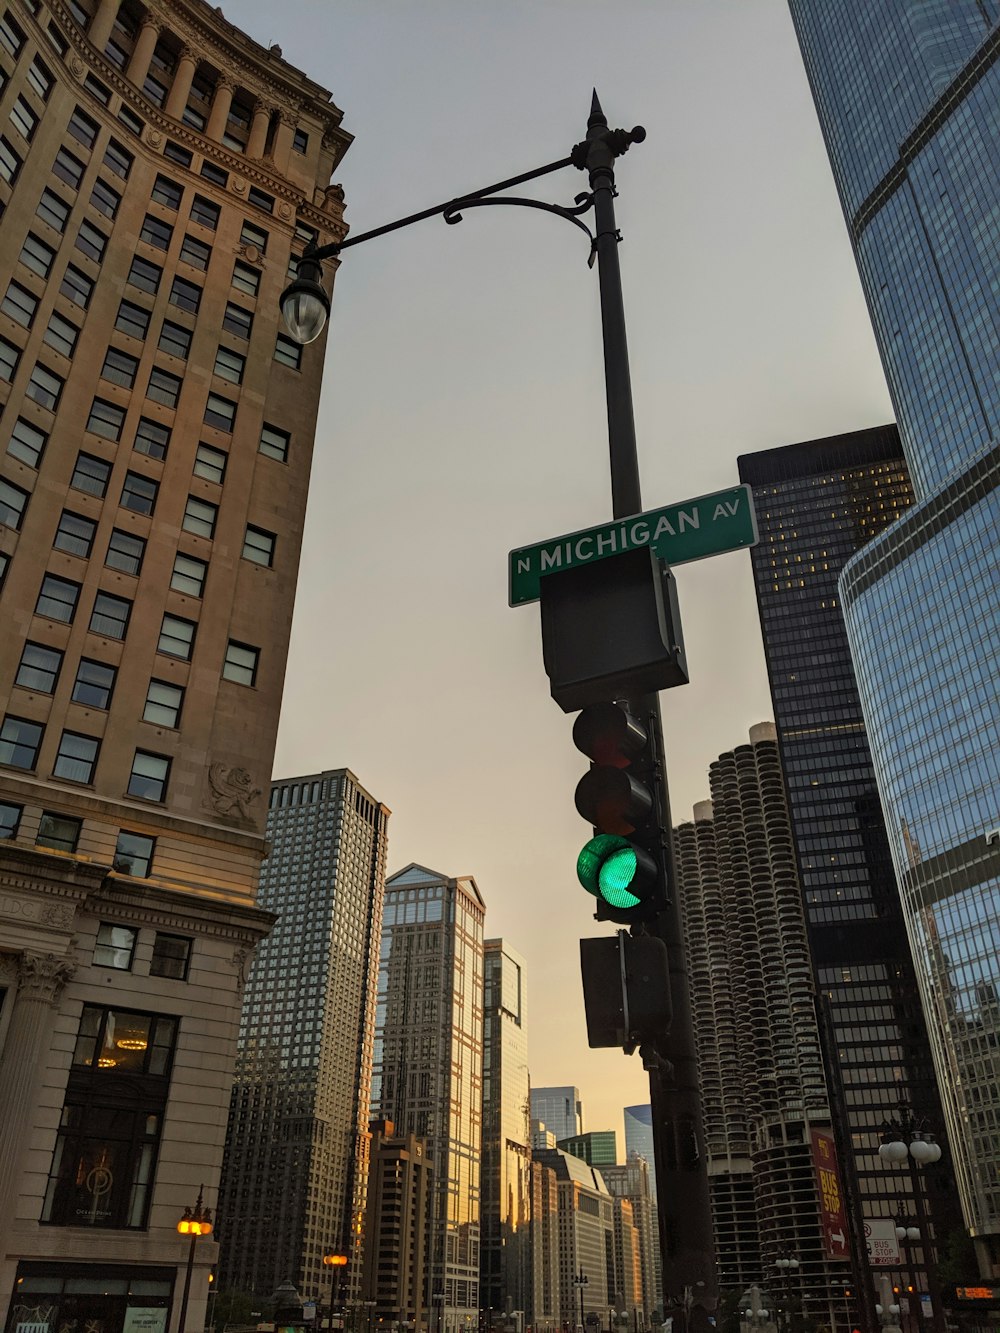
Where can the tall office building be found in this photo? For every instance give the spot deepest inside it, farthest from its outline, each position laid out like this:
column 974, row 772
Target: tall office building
column 908, row 97
column 428, row 1064
column 759, row 1060
column 158, row 171
column 598, row 1147
column 817, row 504
column 586, row 1237
column 296, row 1162
column 631, row 1181
column 639, row 1139
column 505, row 1208
column 397, row 1209
column 559, row 1109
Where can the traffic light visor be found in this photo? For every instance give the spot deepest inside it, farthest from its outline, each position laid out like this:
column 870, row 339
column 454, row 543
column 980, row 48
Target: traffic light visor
column 612, row 868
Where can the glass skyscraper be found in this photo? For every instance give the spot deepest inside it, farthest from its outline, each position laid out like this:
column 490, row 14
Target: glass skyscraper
column 908, row 97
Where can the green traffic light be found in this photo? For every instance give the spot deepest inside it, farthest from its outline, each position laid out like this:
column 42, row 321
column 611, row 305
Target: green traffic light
column 607, row 867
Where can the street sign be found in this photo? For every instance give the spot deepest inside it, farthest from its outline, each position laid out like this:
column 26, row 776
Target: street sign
column 880, row 1238
column 678, row 533
column 831, row 1202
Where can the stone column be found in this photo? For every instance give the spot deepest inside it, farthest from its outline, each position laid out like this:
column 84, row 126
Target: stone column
column 180, row 89
column 219, row 114
column 103, row 22
column 258, row 130
column 41, row 978
column 142, row 55
column 284, row 130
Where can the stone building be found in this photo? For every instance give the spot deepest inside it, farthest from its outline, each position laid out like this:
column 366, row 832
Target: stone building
column 397, row 1213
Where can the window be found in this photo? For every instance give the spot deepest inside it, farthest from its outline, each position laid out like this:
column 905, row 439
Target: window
column 27, row 443
column 75, row 534
column 260, row 199
column 150, row 773
column 90, row 474
column 60, row 832
column 57, row 599
column 19, row 742
column 104, row 198
column 119, row 368
column 125, row 552
column 199, row 517
column 76, row 757
column 23, row 119
column 300, row 141
column 94, row 684
column 229, row 365
column 155, row 89
column 76, row 286
column 237, row 129
column 139, row 493
column 39, row 668
column 82, row 128
column 9, row 357
column 39, row 79
column 98, row 90
column 53, row 210
column 130, row 120
column 287, row 352
column 11, row 36
column 176, row 637
column 79, row 13
column 19, row 304
column 151, row 438
column 167, row 192
column 245, row 278
column 188, row 575
column 214, row 174
column 195, row 253
column 258, row 546
column 68, row 168
column 10, row 819
column 91, row 241
column 254, row 235
column 118, row 159
column 110, row 615
column 134, row 854
column 210, row 463
column 45, row 387
column 241, row 663
column 307, row 235
column 163, row 704
column 61, row 335
column 204, row 212
column 220, row 412
column 106, row 419
column 237, row 320
column 185, row 295
column 145, row 276
column 56, row 40
column 10, row 162
column 171, row 956
column 36, row 255
column 132, row 319
column 174, row 340
column 155, row 232
column 13, row 502
column 115, row 945
column 163, row 387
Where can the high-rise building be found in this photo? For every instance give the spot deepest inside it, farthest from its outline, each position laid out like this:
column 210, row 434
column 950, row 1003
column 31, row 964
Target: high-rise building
column 631, row 1181
column 762, row 1072
column 296, row 1159
column 544, row 1247
column 428, row 1064
column 397, row 1210
column 505, row 1205
column 817, row 504
column 586, row 1237
column 598, row 1147
column 639, row 1139
column 158, row 172
column 541, row 1135
column 559, row 1109
column 907, row 98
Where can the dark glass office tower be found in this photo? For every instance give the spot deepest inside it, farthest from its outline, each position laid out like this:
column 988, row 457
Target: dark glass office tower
column 816, row 505
column 908, row 96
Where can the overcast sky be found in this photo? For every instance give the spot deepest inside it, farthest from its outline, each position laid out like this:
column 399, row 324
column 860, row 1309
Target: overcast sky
column 463, row 414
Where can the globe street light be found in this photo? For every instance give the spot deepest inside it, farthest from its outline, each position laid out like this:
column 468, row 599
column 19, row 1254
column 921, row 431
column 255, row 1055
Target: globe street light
column 197, row 1221
column 906, row 1142
column 786, row 1266
column 580, row 1280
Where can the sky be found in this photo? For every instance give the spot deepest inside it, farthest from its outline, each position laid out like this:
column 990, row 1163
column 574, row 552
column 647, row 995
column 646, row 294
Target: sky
column 463, row 415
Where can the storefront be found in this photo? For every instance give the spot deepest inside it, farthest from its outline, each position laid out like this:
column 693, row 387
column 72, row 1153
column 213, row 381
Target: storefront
column 85, row 1298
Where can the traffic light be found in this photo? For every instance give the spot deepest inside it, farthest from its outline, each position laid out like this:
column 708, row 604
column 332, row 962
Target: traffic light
column 622, row 864
column 626, row 989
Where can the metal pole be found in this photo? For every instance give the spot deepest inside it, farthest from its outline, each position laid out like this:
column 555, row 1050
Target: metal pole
column 930, row 1267
column 182, row 1320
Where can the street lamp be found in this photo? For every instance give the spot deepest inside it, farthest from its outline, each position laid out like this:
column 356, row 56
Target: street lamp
column 580, row 1280
column 197, row 1221
column 907, row 1142
column 335, row 1262
column 787, row 1265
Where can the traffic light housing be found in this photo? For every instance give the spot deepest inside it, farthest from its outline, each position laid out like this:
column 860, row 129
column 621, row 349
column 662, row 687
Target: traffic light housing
column 626, row 989
column 622, row 865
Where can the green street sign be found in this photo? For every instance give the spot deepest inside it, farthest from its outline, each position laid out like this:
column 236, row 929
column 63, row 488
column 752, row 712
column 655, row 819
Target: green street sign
column 678, row 533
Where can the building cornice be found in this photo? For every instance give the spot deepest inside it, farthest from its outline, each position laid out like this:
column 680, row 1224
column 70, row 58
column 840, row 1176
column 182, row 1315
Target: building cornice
column 143, row 904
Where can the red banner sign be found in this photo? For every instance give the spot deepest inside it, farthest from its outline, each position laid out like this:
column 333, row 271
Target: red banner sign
column 833, row 1218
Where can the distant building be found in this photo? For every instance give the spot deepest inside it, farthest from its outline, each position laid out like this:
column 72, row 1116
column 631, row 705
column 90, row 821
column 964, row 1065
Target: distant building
column 505, row 1204
column 428, row 1065
column 586, row 1235
column 631, row 1182
column 626, row 1296
column 397, row 1212
column 598, row 1147
column 545, row 1287
column 296, row 1163
column 639, row 1139
column 541, row 1135
column 560, row 1110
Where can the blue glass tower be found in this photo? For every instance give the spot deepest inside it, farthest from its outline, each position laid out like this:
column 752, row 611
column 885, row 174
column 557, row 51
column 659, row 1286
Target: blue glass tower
column 908, row 95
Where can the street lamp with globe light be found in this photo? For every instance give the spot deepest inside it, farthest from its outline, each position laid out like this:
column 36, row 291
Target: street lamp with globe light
column 907, row 1143
column 197, row 1221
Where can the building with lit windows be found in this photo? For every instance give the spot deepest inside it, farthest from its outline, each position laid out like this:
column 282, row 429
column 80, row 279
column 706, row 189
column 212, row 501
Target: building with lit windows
column 908, row 98
column 158, row 172
column 427, row 1073
column 296, row 1161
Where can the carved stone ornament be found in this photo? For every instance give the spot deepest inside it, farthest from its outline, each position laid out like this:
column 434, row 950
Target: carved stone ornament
column 289, row 116
column 284, row 210
column 154, row 138
column 240, row 186
column 42, row 976
column 60, row 915
column 242, row 958
column 233, row 792
column 77, row 68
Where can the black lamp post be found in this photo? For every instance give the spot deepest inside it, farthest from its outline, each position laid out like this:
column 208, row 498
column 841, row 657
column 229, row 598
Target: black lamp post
column 580, row 1280
column 683, row 1207
column 197, row 1221
column 906, row 1142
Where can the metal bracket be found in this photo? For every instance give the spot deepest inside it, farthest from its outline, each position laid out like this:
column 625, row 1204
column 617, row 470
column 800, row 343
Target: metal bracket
column 452, row 213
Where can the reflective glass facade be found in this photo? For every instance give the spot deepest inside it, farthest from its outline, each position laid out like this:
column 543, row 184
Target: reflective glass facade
column 909, row 101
